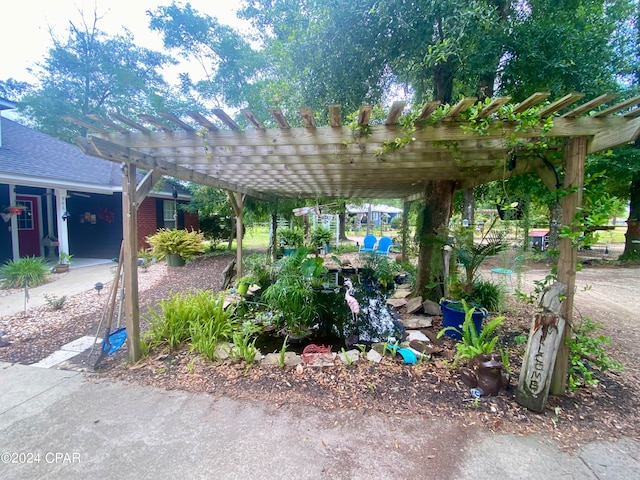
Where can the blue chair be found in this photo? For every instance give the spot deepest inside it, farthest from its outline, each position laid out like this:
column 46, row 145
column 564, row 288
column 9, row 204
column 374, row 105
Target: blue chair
column 368, row 243
column 384, row 246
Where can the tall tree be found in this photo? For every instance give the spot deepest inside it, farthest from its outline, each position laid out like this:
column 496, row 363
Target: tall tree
column 91, row 72
column 234, row 71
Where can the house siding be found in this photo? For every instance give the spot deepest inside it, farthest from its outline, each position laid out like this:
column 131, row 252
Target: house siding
column 147, row 221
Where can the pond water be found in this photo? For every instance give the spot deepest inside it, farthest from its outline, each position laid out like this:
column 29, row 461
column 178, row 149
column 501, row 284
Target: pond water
column 337, row 327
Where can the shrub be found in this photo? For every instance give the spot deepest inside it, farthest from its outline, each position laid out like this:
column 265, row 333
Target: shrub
column 200, row 317
column 54, row 301
column 292, row 237
column 30, row 270
column 320, row 236
column 487, row 294
column 182, row 242
column 587, row 351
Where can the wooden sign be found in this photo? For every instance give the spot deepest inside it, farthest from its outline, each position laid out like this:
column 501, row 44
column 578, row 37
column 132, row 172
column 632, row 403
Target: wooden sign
column 542, row 348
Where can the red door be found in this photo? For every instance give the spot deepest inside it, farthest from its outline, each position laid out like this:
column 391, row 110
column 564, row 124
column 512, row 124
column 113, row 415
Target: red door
column 28, row 226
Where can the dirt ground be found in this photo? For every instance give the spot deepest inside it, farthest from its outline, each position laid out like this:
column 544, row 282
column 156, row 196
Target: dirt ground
column 605, row 293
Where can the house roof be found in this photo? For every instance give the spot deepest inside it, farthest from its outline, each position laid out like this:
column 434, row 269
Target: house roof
column 32, row 157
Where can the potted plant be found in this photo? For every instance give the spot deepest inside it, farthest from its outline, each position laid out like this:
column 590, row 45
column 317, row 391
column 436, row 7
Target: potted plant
column 474, row 341
column 470, row 256
column 484, row 370
column 290, row 239
column 321, row 239
column 64, row 260
column 177, row 246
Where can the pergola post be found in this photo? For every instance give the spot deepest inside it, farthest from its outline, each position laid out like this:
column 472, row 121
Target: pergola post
column 575, row 153
column 237, row 204
column 130, row 264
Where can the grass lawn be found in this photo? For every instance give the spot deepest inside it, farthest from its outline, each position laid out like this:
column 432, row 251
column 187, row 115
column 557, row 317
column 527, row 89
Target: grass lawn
column 612, row 236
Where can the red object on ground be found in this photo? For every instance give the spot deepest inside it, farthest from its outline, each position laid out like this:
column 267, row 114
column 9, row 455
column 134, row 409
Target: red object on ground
column 313, row 354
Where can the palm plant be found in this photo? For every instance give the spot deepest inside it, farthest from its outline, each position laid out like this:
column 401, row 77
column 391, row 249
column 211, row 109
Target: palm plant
column 471, row 255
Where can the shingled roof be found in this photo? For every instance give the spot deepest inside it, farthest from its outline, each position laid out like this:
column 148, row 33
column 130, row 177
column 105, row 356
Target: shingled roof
column 31, row 157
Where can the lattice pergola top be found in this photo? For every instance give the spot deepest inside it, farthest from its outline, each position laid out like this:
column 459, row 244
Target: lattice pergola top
column 334, row 161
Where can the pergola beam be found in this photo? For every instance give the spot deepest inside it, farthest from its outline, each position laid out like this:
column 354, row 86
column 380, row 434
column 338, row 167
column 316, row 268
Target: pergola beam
column 116, row 153
column 612, row 138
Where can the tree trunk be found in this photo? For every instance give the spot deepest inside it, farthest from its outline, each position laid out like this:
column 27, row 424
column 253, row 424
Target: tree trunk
column 232, row 233
column 342, row 229
column 555, row 220
column 273, row 241
column 632, row 237
column 438, row 198
column 469, row 206
column 443, row 75
column 405, row 230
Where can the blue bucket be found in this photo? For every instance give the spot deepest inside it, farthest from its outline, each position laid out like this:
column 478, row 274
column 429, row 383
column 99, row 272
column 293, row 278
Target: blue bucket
column 452, row 317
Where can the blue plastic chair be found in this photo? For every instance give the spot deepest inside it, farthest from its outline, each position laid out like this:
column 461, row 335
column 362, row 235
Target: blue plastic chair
column 384, row 246
column 368, row 243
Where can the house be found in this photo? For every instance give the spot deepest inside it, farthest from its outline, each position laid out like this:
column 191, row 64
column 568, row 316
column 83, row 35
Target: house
column 55, row 198
column 380, row 214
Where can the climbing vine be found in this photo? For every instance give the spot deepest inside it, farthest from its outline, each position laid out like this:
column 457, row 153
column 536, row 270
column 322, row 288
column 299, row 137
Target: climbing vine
column 473, row 123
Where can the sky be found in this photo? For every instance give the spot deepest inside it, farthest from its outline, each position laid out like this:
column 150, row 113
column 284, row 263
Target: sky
column 25, row 38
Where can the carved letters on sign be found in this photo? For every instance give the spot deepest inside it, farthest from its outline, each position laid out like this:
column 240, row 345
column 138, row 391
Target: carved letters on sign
column 542, row 348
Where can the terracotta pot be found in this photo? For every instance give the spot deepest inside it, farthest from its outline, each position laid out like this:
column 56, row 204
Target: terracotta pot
column 61, row 268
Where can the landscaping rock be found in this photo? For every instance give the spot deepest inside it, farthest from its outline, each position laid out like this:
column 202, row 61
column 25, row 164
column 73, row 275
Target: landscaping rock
column 396, row 302
column 417, row 321
column 414, row 304
column 222, row 350
column 374, row 356
column 431, row 308
column 349, row 357
column 417, row 335
column 433, row 336
column 291, row 359
column 404, row 293
column 424, row 347
column 378, row 348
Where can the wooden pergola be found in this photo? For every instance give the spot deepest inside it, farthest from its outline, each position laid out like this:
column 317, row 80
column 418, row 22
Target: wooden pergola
column 341, row 161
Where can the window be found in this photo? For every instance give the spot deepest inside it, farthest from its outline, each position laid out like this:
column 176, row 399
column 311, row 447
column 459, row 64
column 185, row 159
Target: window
column 169, row 210
column 25, row 219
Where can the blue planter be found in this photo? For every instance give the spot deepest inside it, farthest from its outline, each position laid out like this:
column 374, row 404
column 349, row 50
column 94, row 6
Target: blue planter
column 452, row 317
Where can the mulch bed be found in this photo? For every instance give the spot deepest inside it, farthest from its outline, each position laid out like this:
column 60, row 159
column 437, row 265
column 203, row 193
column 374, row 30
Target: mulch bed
column 607, row 411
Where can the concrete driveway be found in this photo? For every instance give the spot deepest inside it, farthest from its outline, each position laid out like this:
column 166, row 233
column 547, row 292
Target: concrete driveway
column 59, row 424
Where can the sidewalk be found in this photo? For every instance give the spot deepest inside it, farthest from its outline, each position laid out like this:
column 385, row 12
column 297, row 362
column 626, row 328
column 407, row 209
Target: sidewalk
column 82, row 276
column 58, row 424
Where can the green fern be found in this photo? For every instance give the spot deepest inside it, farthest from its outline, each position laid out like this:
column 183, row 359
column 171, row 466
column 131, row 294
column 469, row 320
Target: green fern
column 474, row 343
